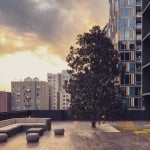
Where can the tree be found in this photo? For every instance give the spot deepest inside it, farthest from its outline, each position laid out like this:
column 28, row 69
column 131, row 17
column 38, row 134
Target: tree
column 94, row 68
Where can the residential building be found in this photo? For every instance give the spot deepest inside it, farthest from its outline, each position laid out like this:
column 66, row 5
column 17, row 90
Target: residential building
column 5, row 101
column 146, row 54
column 126, row 35
column 59, row 98
column 30, row 94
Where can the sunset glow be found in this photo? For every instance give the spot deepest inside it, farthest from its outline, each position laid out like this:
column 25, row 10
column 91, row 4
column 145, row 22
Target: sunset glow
column 35, row 35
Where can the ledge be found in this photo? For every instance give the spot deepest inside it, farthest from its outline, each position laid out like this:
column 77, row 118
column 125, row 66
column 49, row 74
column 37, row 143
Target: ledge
column 146, row 37
column 145, row 66
column 146, row 94
column 146, row 8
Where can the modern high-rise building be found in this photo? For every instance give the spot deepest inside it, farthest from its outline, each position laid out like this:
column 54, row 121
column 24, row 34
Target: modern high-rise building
column 5, row 101
column 126, row 34
column 30, row 94
column 146, row 54
column 59, row 98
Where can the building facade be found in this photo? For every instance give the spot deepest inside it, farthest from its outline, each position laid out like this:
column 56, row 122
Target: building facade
column 126, row 34
column 5, row 101
column 146, row 54
column 58, row 96
column 30, row 94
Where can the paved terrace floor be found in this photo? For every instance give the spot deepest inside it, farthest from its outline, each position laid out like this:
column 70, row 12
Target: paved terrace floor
column 80, row 136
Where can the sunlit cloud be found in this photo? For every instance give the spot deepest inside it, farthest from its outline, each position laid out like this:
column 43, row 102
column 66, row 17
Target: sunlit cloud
column 35, row 35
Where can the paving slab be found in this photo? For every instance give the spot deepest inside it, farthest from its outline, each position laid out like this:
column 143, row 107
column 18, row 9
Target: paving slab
column 80, row 136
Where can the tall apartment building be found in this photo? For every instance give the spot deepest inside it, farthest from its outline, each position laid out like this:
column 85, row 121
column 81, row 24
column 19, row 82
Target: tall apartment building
column 146, row 54
column 58, row 96
column 126, row 34
column 30, row 94
column 5, row 101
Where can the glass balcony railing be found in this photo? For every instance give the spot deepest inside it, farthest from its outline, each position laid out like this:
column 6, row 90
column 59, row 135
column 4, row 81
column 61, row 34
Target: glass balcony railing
column 138, row 14
column 138, row 2
column 138, row 58
column 138, row 69
column 139, row 37
column 138, row 48
column 139, row 26
column 138, row 82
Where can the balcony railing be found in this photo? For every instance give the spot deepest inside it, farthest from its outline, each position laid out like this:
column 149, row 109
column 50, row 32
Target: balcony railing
column 138, row 2
column 138, row 69
column 138, row 82
column 138, row 14
column 138, row 48
column 139, row 26
column 138, row 58
column 139, row 37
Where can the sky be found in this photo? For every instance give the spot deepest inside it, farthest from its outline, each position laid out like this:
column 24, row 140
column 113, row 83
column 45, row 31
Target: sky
column 35, row 35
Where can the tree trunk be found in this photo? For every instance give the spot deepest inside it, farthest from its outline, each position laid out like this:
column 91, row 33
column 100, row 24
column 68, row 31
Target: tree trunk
column 93, row 124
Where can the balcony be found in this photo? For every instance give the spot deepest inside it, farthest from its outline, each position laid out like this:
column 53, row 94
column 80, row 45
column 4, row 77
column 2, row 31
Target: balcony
column 139, row 25
column 138, row 69
column 138, row 59
column 28, row 90
column 138, row 82
column 139, row 5
column 28, row 97
column 138, row 48
column 139, row 37
column 139, row 14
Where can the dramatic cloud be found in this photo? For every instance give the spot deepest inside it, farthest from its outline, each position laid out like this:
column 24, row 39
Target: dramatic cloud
column 25, row 24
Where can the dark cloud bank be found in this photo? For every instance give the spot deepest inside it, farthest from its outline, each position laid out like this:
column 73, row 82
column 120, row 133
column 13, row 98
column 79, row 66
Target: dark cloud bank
column 53, row 20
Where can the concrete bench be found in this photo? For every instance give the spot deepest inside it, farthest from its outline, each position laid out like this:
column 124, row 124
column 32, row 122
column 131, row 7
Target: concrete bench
column 16, row 125
column 32, row 137
column 59, row 131
column 35, row 130
column 3, row 137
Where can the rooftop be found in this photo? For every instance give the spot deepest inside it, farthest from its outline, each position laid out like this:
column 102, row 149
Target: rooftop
column 80, row 136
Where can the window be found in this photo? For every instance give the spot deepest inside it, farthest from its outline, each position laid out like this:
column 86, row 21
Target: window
column 136, row 102
column 132, row 102
column 122, row 13
column 131, row 34
column 122, row 79
column 127, row 34
column 122, row 56
column 127, row 56
column 132, row 91
column 132, row 67
column 127, row 67
column 126, row 11
column 127, row 101
column 132, row 79
column 131, row 12
column 127, row 79
column 121, row 32
column 132, row 2
column 121, row 23
column 127, row 22
column 137, row 91
column 127, row 91
column 122, row 45
column 132, row 46
column 138, row 79
column 132, row 56
column 121, row 3
column 132, row 23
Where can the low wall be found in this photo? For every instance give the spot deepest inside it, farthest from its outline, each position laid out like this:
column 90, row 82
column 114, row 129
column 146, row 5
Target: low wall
column 55, row 115
column 61, row 115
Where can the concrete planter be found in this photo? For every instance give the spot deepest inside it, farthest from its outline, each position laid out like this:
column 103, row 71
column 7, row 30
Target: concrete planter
column 59, row 131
